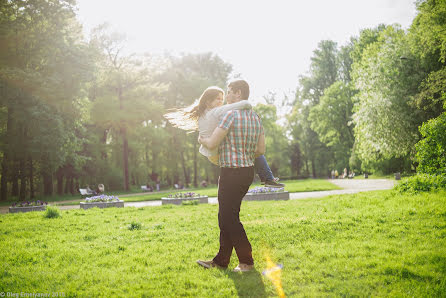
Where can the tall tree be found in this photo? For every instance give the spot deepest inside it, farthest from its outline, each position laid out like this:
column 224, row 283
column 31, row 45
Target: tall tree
column 41, row 51
column 385, row 123
column 324, row 71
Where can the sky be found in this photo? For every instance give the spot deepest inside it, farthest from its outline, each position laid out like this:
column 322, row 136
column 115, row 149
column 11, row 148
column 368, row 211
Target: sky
column 268, row 42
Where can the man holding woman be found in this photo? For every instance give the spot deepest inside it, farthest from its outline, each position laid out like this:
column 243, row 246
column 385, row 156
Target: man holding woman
column 235, row 142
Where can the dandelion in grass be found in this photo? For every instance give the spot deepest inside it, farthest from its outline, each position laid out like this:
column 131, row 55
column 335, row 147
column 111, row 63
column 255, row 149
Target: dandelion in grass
column 273, row 272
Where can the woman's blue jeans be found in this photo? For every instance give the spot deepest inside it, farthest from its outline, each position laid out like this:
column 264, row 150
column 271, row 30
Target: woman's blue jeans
column 262, row 169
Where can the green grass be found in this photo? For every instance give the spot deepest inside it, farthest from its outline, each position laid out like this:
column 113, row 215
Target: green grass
column 367, row 244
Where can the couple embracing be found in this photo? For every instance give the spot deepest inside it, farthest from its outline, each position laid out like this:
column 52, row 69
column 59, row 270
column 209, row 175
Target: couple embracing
column 232, row 137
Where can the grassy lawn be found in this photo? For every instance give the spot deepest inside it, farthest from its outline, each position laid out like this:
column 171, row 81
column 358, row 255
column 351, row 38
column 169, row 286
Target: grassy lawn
column 366, row 244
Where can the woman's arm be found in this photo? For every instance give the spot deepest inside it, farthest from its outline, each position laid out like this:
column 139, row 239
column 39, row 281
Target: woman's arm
column 240, row 105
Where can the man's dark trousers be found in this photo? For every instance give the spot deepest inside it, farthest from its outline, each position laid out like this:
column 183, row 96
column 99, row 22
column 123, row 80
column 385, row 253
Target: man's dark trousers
column 233, row 185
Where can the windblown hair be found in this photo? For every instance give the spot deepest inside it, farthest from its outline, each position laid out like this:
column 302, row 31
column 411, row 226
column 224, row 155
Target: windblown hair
column 187, row 118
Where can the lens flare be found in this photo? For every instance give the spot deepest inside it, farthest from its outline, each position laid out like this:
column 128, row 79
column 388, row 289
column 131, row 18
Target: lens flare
column 273, row 272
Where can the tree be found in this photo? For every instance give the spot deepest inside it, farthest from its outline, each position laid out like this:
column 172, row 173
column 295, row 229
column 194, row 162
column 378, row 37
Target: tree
column 385, row 122
column 41, row 50
column 122, row 99
column 331, row 119
column 427, row 39
column 323, row 73
column 431, row 149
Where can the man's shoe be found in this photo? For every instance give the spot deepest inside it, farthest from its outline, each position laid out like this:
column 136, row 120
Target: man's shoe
column 209, row 264
column 275, row 179
column 274, row 184
column 243, row 268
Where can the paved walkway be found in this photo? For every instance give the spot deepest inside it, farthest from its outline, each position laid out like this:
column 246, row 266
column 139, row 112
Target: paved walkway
column 348, row 186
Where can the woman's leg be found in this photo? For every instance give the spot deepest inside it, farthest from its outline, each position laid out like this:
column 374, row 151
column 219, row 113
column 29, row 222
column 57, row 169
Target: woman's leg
column 262, row 169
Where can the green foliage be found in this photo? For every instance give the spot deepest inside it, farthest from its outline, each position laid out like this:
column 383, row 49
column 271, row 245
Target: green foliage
column 385, row 123
column 350, row 245
column 331, row 119
column 421, row 183
column 134, row 226
column 324, row 71
column 275, row 139
column 431, row 149
column 427, row 30
column 51, row 212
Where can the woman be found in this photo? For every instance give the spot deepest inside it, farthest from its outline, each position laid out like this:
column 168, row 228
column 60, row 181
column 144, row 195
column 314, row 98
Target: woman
column 204, row 116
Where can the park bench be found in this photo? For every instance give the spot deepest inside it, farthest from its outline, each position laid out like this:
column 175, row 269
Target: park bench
column 84, row 192
column 144, row 188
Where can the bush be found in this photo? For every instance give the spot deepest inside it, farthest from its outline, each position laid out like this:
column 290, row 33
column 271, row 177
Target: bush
column 51, row 212
column 134, row 226
column 421, row 182
column 431, row 150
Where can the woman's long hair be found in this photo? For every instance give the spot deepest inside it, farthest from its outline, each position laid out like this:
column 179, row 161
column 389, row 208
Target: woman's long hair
column 187, row 118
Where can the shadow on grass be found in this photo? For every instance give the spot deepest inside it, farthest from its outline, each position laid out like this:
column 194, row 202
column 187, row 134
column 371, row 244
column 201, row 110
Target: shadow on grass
column 248, row 284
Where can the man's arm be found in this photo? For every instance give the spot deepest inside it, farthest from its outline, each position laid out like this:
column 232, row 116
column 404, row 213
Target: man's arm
column 215, row 139
column 260, row 149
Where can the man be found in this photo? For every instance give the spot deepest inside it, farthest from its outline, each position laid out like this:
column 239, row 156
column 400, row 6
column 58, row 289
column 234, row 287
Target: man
column 241, row 139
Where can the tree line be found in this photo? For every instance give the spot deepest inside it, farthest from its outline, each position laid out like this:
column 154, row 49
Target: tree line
column 363, row 104
column 78, row 110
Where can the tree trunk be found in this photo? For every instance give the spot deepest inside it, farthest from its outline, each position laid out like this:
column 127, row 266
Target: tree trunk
column 31, row 178
column 47, row 184
column 125, row 143
column 76, row 186
column 4, row 179
column 313, row 168
column 125, row 156
column 195, row 165
column 5, row 161
column 59, row 177
column 67, row 187
column 183, row 164
column 104, row 142
column 22, row 193
column 15, row 180
column 71, row 185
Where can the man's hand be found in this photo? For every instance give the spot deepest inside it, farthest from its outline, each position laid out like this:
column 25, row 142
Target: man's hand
column 203, row 141
column 215, row 139
column 260, row 149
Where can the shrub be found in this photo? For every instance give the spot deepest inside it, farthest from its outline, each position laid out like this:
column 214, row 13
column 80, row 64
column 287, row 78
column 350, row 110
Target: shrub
column 51, row 212
column 134, row 226
column 431, row 150
column 421, row 182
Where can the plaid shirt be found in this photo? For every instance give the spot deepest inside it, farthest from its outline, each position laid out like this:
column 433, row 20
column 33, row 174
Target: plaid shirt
column 239, row 146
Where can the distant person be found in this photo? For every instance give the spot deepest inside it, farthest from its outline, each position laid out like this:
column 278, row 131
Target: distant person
column 205, row 115
column 204, row 183
column 100, row 189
